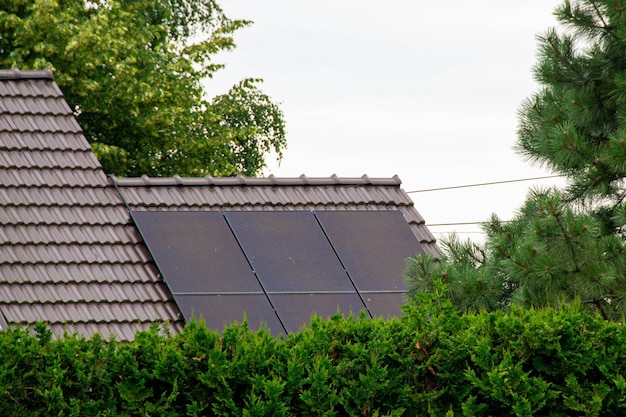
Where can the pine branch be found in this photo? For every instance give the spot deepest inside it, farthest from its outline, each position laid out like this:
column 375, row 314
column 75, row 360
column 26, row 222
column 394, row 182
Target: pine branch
column 568, row 239
column 619, row 201
column 563, row 58
column 600, row 16
column 598, row 304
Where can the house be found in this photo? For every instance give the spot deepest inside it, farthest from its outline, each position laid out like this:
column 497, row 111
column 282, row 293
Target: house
column 86, row 252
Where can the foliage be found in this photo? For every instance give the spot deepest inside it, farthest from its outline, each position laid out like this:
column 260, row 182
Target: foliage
column 523, row 362
column 546, row 255
column 576, row 124
column 432, row 361
column 562, row 245
column 132, row 71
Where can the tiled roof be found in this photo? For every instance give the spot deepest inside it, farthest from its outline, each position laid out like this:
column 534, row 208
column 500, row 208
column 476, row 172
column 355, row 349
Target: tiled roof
column 69, row 255
column 301, row 193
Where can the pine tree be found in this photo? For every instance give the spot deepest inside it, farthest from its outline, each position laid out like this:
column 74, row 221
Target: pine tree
column 563, row 244
column 576, row 125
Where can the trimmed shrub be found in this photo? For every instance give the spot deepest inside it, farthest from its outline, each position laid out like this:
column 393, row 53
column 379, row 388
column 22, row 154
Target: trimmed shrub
column 433, row 361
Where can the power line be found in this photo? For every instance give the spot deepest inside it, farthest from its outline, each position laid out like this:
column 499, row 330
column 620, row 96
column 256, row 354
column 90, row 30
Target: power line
column 464, row 223
column 457, row 232
column 484, row 184
column 454, row 224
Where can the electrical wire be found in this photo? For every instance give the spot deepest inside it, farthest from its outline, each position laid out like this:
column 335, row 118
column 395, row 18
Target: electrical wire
column 449, row 232
column 477, row 185
column 484, row 184
column 464, row 223
column 455, row 224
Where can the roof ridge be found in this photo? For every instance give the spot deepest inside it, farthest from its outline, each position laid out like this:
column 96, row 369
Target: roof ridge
column 17, row 74
column 241, row 180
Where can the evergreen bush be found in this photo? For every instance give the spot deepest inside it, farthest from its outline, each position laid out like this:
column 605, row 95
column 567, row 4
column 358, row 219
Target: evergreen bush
column 431, row 362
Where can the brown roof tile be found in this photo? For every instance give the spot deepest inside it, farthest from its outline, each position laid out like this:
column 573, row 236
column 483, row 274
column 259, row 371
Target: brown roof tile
column 50, row 177
column 69, row 196
column 34, row 106
column 82, row 292
column 68, row 234
column 104, row 273
column 68, row 254
column 38, row 141
column 48, row 159
column 38, row 123
column 82, row 312
column 73, row 253
column 55, row 215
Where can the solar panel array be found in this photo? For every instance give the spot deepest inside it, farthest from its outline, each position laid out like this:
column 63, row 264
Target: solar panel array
column 280, row 267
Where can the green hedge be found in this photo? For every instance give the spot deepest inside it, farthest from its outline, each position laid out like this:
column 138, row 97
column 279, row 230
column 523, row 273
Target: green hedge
column 432, row 362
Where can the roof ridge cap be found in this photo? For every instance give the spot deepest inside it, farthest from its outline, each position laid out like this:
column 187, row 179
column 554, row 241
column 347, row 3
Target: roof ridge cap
column 17, row 74
column 241, row 180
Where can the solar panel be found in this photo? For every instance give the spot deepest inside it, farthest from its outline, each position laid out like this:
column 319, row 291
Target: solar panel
column 196, row 251
column 288, row 251
column 384, row 304
column 222, row 310
column 222, row 267
column 372, row 246
column 295, row 310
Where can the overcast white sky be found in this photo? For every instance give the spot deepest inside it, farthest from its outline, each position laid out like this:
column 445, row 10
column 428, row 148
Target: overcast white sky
column 425, row 90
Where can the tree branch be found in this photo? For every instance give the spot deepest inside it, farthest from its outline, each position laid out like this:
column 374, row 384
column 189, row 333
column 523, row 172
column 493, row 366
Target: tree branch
column 595, row 7
column 568, row 240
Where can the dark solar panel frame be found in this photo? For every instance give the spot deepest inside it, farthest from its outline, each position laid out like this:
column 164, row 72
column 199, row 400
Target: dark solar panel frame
column 233, row 278
column 384, row 304
column 196, row 252
column 219, row 310
column 372, row 246
column 295, row 310
column 280, row 266
column 285, row 249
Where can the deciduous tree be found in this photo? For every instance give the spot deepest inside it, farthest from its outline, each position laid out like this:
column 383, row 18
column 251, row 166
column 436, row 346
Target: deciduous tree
column 132, row 70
